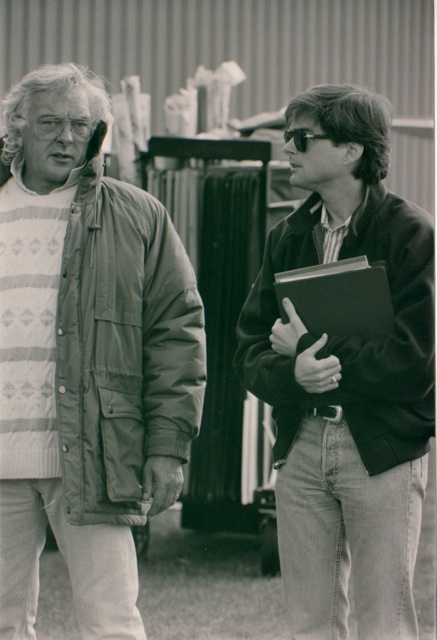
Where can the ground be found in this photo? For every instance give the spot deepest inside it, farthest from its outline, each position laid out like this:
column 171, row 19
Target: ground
column 199, row 586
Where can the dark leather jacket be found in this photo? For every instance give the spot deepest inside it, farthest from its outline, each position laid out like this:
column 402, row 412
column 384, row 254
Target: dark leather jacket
column 387, row 386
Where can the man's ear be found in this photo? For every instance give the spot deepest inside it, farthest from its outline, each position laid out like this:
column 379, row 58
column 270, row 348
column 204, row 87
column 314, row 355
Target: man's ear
column 353, row 152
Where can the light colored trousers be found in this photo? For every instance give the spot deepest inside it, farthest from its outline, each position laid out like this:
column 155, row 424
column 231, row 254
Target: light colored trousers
column 336, row 521
column 101, row 560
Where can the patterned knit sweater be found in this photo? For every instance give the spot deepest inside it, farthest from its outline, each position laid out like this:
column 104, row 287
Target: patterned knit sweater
column 32, row 231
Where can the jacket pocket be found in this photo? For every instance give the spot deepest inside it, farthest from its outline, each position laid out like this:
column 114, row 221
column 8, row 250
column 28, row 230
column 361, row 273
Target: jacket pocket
column 123, row 438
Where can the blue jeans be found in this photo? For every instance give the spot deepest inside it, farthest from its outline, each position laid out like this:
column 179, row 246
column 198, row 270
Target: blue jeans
column 336, row 521
column 101, row 560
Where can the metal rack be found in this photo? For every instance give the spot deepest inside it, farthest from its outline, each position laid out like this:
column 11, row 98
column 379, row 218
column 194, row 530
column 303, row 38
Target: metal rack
column 204, row 507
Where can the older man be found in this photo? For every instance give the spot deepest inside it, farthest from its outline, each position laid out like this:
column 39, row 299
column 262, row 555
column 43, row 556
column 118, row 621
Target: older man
column 102, row 357
column 354, row 414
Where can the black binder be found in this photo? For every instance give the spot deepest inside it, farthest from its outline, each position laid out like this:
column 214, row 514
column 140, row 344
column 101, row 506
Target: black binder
column 347, row 303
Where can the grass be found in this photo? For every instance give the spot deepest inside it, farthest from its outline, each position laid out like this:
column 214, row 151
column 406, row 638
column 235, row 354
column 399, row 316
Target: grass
column 193, row 586
column 208, row 586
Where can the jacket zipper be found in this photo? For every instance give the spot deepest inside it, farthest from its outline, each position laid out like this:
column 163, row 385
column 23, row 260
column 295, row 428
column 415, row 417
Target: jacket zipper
column 279, row 463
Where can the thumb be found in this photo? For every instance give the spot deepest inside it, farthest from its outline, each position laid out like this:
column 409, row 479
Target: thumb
column 319, row 344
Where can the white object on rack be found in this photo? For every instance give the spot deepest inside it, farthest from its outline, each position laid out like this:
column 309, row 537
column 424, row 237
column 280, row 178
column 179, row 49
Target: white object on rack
column 250, row 481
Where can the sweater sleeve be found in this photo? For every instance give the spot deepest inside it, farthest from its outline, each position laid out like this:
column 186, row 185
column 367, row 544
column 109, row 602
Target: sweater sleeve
column 174, row 360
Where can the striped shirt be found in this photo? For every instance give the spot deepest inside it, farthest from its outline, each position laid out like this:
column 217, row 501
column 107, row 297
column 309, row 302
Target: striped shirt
column 332, row 238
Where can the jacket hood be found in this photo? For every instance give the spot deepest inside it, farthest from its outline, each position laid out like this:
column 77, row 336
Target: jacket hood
column 95, row 144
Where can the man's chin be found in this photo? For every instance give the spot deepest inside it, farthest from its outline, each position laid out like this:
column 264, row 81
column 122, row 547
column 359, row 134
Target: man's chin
column 61, row 171
column 295, row 182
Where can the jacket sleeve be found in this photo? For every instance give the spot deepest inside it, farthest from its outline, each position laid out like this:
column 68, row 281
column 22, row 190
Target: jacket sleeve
column 174, row 353
column 269, row 376
column 399, row 367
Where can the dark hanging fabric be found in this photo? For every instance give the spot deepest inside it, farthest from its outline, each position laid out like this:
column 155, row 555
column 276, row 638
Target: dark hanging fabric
column 230, row 255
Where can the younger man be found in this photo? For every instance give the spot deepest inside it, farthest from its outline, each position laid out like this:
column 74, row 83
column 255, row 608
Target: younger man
column 354, row 416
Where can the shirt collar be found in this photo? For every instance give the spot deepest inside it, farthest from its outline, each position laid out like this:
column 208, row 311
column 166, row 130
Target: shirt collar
column 325, row 223
column 352, row 218
column 17, row 172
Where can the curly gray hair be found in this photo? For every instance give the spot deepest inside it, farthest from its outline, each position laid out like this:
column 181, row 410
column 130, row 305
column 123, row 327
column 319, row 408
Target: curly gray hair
column 49, row 77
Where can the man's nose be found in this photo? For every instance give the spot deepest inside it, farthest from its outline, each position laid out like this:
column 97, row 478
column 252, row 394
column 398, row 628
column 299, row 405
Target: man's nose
column 66, row 133
column 289, row 147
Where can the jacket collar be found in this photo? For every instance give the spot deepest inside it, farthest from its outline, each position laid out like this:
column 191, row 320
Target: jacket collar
column 308, row 214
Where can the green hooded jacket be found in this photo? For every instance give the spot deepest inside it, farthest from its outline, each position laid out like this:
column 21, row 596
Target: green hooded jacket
column 130, row 369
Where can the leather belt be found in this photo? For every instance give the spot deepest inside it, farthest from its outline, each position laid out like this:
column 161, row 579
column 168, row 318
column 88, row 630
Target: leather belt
column 331, row 412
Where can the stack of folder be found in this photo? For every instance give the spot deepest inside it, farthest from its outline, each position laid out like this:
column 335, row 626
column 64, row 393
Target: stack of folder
column 347, row 297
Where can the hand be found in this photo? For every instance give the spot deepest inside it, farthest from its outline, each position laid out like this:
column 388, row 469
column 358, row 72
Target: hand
column 284, row 337
column 317, row 376
column 162, row 480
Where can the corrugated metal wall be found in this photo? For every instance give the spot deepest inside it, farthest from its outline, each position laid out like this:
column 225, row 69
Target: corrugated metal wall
column 283, row 46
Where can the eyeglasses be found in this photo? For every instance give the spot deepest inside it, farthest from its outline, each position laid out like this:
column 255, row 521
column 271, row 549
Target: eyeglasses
column 51, row 127
column 301, row 136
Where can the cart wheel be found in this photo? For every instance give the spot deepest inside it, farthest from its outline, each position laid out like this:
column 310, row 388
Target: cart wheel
column 141, row 536
column 269, row 548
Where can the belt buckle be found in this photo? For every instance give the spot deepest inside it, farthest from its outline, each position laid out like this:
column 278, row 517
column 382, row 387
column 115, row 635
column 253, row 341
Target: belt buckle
column 338, row 413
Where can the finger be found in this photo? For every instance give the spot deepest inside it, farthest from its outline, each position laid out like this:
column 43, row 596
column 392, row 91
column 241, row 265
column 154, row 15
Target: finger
column 289, row 308
column 145, row 506
column 329, row 364
column 325, row 377
column 277, row 348
column 148, row 484
column 328, row 379
column 160, row 502
column 273, row 340
column 333, row 381
column 154, row 510
column 277, row 325
column 167, row 493
column 321, row 386
column 158, row 507
column 292, row 314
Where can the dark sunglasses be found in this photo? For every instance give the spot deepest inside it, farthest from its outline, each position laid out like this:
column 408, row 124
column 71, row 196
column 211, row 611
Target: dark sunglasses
column 301, row 136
